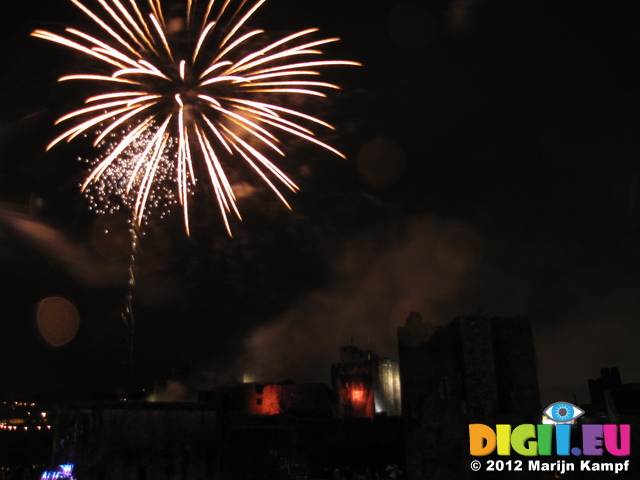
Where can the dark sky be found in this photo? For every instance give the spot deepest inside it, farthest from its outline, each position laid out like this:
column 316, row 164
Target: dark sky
column 493, row 165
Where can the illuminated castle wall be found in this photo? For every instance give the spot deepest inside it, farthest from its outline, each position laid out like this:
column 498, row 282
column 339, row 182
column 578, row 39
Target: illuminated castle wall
column 365, row 384
column 386, row 387
column 265, row 399
column 353, row 384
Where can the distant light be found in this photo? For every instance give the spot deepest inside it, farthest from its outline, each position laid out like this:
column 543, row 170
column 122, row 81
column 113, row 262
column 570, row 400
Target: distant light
column 63, row 472
column 67, row 469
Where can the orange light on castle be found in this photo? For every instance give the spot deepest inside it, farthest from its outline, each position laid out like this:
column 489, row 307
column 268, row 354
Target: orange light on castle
column 267, row 402
column 357, row 396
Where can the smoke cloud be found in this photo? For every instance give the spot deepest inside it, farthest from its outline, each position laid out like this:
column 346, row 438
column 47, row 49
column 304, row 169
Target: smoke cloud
column 377, row 281
column 582, row 304
column 75, row 258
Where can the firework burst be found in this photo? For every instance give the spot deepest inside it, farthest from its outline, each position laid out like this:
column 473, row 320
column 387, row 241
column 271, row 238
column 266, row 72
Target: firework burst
column 189, row 93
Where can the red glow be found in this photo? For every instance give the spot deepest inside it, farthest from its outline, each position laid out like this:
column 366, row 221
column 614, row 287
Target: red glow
column 267, row 402
column 357, row 400
column 357, row 396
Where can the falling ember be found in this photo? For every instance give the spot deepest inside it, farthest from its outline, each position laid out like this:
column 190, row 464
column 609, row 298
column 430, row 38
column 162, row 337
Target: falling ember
column 181, row 98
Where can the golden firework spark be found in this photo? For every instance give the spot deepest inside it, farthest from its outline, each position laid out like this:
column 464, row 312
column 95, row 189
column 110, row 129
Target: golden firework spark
column 188, row 89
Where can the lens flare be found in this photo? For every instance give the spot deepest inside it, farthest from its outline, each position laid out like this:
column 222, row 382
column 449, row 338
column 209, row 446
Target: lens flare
column 186, row 95
column 58, row 320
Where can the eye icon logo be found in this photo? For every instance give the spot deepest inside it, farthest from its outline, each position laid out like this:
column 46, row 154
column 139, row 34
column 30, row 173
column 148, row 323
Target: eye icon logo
column 563, row 412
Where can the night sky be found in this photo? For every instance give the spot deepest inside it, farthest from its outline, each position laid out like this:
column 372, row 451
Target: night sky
column 493, row 165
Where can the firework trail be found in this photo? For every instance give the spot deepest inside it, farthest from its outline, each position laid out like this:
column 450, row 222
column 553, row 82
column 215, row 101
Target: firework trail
column 179, row 96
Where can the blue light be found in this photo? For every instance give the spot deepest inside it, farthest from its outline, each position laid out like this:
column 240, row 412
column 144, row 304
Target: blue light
column 63, row 472
column 49, row 475
column 67, row 470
